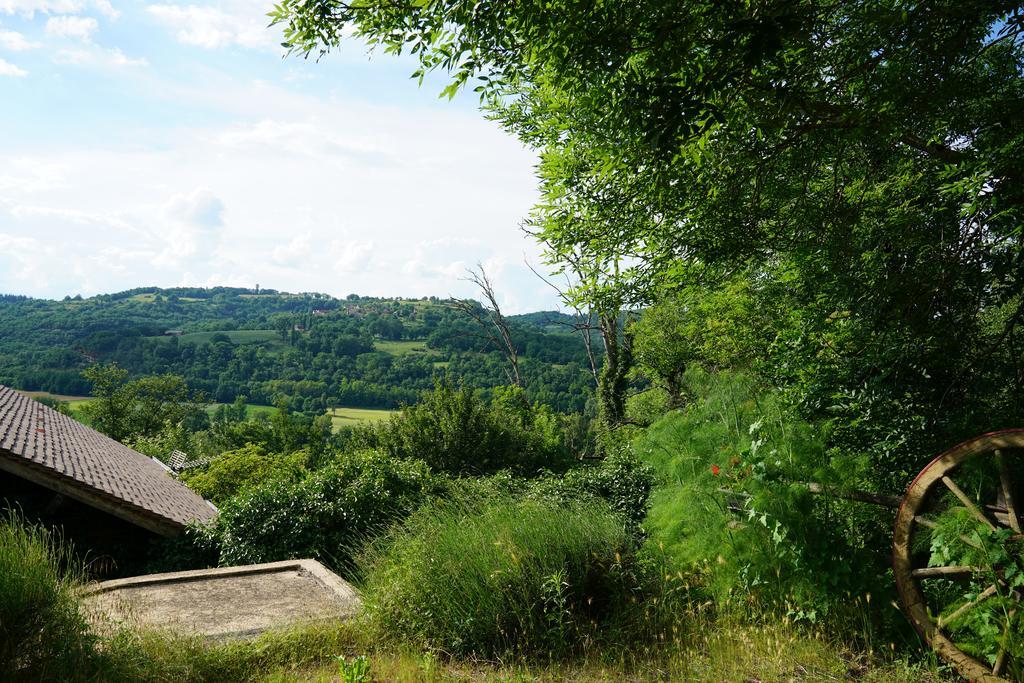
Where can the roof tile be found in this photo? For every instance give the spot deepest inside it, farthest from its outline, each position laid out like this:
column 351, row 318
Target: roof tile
column 84, row 458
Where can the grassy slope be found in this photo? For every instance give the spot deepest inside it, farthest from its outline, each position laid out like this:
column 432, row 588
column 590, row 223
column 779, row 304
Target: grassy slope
column 400, row 348
column 716, row 653
column 347, row 417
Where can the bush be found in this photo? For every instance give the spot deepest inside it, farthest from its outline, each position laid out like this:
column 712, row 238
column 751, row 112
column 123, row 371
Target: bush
column 506, row 577
column 326, row 516
column 620, row 480
column 455, row 431
column 235, row 471
column 769, row 540
column 43, row 633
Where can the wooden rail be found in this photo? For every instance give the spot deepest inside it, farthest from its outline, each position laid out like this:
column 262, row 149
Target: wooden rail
column 849, row 494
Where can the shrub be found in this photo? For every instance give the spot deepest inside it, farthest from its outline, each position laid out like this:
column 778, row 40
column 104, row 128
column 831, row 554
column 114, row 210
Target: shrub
column 235, row 471
column 506, row 577
column 455, row 431
column 326, row 516
column 620, row 480
column 728, row 497
column 43, row 633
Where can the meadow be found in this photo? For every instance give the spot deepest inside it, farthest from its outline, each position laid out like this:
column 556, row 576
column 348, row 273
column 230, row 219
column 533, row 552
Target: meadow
column 348, row 417
column 400, row 348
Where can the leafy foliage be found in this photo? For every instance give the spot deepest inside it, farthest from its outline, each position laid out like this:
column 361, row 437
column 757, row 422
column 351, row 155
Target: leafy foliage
column 851, row 171
column 731, row 496
column 144, row 407
column 454, row 430
column 312, row 350
column 327, row 515
column 619, row 480
column 234, row 471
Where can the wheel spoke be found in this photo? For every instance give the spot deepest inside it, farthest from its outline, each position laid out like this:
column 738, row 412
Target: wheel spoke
column 963, row 609
column 1004, row 480
column 968, row 503
column 946, row 572
column 925, row 522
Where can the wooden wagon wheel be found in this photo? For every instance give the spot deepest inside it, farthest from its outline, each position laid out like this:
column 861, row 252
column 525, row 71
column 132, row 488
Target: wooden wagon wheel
column 957, row 554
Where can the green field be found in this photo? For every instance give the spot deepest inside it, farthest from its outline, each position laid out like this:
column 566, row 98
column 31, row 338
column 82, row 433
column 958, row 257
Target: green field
column 74, row 402
column 348, row 417
column 400, row 348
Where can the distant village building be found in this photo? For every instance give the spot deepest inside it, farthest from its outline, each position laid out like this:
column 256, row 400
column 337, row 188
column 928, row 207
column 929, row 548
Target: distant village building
column 106, row 497
column 173, row 333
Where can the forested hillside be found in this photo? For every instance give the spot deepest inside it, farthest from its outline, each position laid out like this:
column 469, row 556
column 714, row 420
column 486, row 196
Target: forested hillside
column 314, row 350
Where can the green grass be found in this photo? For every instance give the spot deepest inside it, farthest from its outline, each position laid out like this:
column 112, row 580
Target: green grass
column 400, row 348
column 720, row 652
column 503, row 577
column 60, row 397
column 144, row 298
column 349, row 417
column 43, row 631
column 75, row 403
column 47, row 637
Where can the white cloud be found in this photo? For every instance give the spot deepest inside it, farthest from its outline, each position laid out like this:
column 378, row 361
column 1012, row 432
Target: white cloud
column 72, row 26
column 213, row 27
column 294, row 252
column 351, row 256
column 309, row 194
column 8, row 69
column 97, row 57
column 29, row 8
column 28, row 175
column 200, row 208
column 25, row 257
column 16, row 42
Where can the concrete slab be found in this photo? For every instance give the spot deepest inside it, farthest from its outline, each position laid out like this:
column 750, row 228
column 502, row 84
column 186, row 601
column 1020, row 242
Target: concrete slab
column 229, row 602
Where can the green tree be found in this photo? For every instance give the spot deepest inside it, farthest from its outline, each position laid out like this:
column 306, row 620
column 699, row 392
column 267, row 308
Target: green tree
column 863, row 160
column 128, row 409
column 238, row 470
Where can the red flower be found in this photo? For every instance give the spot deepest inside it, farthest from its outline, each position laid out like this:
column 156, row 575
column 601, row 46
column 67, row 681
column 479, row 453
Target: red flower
column 715, row 469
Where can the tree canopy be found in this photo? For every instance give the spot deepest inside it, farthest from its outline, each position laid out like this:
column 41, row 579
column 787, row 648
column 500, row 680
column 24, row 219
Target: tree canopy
column 859, row 162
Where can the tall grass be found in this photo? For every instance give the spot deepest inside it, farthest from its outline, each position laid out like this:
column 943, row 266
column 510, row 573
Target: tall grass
column 501, row 577
column 43, row 631
column 139, row 656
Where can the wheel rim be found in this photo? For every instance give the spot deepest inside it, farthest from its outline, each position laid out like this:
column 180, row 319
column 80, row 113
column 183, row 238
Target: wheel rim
column 964, row 504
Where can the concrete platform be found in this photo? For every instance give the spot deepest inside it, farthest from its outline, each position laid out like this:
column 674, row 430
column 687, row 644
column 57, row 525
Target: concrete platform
column 229, row 602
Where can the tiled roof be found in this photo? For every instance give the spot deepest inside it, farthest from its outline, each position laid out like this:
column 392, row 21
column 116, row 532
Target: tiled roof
column 65, row 455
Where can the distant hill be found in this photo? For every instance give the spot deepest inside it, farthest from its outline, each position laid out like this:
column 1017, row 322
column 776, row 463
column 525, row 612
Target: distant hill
column 311, row 349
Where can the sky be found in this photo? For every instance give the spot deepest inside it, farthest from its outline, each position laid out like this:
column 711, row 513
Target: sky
column 163, row 143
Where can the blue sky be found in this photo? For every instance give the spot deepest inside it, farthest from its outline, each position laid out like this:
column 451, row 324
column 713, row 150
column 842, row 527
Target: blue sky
column 166, row 143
